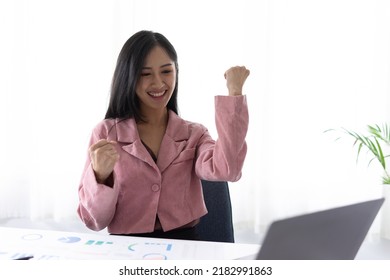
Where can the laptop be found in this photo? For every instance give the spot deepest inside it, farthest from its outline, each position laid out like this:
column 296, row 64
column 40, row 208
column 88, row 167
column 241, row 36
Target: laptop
column 334, row 234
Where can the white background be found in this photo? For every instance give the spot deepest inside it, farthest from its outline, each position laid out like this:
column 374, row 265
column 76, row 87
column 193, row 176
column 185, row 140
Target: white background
column 315, row 65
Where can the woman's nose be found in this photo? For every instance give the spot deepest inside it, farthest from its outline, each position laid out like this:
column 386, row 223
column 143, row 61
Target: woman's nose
column 158, row 81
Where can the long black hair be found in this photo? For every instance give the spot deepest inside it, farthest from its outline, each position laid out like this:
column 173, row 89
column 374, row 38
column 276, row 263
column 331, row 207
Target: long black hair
column 124, row 102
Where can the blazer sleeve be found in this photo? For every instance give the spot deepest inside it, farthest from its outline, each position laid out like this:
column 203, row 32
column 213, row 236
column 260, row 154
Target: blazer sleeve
column 97, row 202
column 223, row 159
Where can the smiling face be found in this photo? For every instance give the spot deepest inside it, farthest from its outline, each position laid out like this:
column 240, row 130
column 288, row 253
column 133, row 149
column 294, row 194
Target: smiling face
column 157, row 81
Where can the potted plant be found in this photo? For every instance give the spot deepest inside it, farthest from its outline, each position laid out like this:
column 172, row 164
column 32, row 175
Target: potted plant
column 377, row 138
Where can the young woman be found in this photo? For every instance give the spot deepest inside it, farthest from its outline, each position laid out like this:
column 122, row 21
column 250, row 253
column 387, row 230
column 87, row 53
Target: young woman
column 142, row 175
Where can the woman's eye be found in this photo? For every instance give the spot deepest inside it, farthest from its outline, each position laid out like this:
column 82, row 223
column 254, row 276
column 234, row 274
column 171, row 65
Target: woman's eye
column 145, row 74
column 166, row 71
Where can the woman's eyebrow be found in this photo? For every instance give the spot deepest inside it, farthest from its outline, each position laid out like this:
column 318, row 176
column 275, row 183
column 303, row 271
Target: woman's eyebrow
column 165, row 65
column 168, row 64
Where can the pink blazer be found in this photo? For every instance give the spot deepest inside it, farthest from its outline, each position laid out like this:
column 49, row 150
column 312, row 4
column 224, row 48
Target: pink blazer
column 171, row 187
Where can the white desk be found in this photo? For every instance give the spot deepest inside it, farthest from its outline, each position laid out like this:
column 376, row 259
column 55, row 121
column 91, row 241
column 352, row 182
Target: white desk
column 55, row 245
column 374, row 248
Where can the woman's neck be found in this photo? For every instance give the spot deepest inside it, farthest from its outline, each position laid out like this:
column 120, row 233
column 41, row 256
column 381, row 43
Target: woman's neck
column 155, row 117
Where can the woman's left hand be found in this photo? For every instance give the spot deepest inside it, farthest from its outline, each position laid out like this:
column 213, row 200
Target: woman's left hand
column 235, row 79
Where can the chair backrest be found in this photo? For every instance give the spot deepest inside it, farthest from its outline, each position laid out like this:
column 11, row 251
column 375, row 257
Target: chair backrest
column 217, row 225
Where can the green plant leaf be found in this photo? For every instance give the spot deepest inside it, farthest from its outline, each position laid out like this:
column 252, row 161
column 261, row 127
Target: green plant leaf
column 380, row 133
column 372, row 142
column 380, row 155
column 386, row 180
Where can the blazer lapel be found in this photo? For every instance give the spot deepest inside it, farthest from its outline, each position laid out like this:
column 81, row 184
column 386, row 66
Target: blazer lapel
column 127, row 134
column 138, row 150
column 174, row 141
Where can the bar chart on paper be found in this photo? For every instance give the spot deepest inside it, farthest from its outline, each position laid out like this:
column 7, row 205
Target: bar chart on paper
column 22, row 243
column 18, row 243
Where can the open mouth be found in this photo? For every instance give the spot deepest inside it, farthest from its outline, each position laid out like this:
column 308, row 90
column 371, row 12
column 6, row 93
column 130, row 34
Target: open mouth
column 157, row 94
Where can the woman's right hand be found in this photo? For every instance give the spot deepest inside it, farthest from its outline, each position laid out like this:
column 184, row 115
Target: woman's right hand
column 103, row 156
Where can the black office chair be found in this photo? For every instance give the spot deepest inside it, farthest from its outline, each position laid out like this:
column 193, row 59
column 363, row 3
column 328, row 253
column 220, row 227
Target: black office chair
column 217, row 225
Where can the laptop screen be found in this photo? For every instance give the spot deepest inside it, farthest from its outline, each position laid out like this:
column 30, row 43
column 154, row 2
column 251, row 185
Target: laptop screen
column 334, row 234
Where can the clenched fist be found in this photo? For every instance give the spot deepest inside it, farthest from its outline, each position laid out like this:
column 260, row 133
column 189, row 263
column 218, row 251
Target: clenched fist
column 103, row 156
column 235, row 79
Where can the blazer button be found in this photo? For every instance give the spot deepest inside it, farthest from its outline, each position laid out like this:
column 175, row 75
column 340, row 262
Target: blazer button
column 155, row 188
